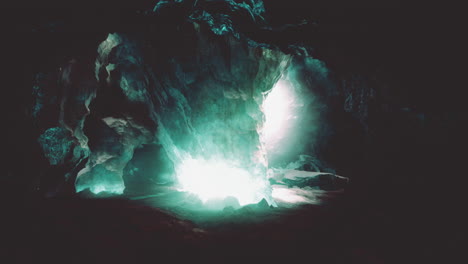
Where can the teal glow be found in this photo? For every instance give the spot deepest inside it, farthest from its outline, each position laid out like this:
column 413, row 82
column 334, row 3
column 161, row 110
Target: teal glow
column 56, row 143
column 218, row 179
column 100, row 178
column 224, row 172
column 278, row 108
column 96, row 189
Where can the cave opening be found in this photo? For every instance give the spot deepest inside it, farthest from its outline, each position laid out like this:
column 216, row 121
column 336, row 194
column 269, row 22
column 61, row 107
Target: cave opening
column 215, row 180
column 220, row 179
column 227, row 137
column 206, row 120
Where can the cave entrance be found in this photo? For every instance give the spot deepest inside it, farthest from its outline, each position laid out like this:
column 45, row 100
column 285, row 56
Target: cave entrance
column 219, row 181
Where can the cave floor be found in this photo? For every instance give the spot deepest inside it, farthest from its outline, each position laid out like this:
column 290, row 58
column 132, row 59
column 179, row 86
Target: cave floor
column 148, row 229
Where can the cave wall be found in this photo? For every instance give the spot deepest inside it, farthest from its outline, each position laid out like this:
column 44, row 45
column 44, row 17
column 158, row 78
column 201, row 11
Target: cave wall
column 149, row 82
column 194, row 91
column 386, row 112
column 397, row 123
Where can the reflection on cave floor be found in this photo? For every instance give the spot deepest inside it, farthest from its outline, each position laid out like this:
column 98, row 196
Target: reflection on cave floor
column 117, row 230
column 292, row 190
column 170, row 223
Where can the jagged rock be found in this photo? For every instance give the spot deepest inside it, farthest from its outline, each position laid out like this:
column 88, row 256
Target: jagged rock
column 263, row 204
column 301, row 179
column 57, row 144
column 196, row 92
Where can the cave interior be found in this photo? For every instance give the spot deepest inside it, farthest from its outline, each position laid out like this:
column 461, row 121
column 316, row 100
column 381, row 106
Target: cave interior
column 194, row 130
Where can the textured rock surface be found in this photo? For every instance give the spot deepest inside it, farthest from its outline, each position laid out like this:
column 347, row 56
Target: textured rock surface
column 196, row 92
column 404, row 132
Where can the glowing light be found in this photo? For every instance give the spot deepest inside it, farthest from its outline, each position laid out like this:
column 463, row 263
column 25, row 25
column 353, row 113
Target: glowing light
column 293, row 195
column 96, row 189
column 278, row 110
column 218, row 179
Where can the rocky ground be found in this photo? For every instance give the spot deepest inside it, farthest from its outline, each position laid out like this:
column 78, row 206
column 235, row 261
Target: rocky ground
column 148, row 230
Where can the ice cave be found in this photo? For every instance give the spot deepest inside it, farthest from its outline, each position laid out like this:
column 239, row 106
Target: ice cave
column 228, row 114
column 200, row 129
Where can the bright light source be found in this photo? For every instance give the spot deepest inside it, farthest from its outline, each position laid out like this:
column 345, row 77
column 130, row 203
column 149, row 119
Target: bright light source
column 215, row 179
column 278, row 109
column 212, row 179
